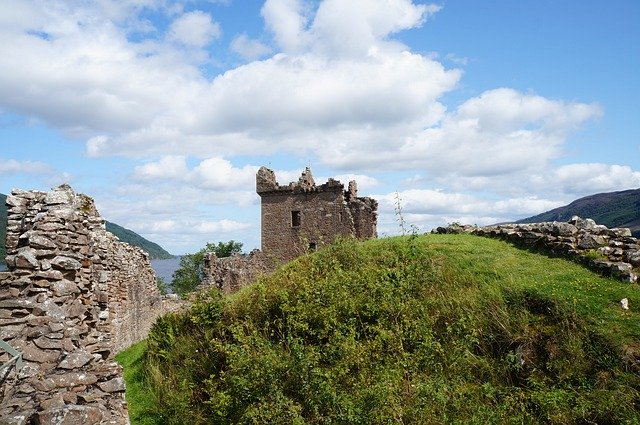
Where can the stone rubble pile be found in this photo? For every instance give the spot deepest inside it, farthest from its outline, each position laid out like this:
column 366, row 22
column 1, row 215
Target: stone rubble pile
column 73, row 297
column 612, row 252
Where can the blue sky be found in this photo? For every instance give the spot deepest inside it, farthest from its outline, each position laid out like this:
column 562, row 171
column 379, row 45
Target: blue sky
column 469, row 111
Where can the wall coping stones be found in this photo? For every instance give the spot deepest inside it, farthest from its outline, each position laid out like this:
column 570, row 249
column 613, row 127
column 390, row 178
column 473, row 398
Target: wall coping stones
column 612, row 252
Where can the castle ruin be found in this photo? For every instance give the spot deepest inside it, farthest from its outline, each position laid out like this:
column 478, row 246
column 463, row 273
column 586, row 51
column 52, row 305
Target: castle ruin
column 302, row 216
column 297, row 218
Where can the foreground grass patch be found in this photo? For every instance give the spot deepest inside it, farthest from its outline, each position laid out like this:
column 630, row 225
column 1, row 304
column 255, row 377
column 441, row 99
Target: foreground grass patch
column 142, row 408
column 430, row 329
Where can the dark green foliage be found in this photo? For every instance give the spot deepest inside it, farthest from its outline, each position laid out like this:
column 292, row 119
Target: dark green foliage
column 191, row 272
column 129, row 236
column 430, row 329
column 614, row 209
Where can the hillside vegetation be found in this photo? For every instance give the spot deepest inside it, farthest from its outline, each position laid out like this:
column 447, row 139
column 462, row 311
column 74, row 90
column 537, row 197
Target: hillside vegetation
column 132, row 238
column 432, row 329
column 125, row 235
column 613, row 209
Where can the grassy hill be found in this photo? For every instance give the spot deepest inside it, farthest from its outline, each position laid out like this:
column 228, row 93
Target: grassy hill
column 614, row 209
column 125, row 235
column 415, row 330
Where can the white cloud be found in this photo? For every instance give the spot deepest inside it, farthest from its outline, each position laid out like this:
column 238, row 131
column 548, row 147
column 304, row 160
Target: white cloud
column 12, row 166
column 591, row 178
column 248, row 48
column 288, row 20
column 222, row 226
column 211, row 173
column 168, row 167
column 195, row 29
column 217, row 173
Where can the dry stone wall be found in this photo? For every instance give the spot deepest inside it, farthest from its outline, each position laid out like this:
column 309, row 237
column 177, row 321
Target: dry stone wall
column 229, row 274
column 74, row 295
column 612, row 252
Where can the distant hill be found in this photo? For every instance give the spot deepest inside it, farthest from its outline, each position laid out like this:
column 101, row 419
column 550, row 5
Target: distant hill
column 613, row 209
column 125, row 235
column 129, row 236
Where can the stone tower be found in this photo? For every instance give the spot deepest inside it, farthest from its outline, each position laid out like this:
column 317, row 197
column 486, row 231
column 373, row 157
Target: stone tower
column 302, row 216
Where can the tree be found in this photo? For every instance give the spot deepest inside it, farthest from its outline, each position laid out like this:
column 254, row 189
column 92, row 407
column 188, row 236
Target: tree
column 191, row 271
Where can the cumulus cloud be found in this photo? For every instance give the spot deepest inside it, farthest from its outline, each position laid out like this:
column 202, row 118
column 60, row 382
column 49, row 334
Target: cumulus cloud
column 211, row 173
column 168, row 167
column 594, row 177
column 248, row 48
column 195, row 29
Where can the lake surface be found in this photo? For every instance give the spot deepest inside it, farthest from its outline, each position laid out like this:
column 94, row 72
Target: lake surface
column 165, row 268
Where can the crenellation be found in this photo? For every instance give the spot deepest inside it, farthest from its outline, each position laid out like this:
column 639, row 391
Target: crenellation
column 303, row 216
column 295, row 219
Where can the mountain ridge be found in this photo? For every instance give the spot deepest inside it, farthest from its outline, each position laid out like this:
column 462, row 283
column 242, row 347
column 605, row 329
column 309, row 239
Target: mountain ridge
column 613, row 209
column 154, row 250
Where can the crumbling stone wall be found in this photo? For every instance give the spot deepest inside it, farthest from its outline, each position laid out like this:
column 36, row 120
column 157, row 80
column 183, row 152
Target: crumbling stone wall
column 302, row 216
column 611, row 252
column 74, row 296
column 229, row 274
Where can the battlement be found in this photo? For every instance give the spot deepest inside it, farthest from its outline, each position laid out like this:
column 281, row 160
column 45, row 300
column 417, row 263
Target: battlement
column 302, row 215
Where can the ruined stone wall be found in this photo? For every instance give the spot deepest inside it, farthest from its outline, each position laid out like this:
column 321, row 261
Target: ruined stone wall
column 229, row 274
column 74, row 296
column 301, row 216
column 612, row 252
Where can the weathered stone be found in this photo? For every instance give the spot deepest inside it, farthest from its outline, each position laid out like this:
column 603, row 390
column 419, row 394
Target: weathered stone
column 48, row 343
column 70, row 415
column 32, row 353
column 75, row 360
column 51, row 309
column 25, row 258
column 64, row 287
column 65, row 263
column 61, row 195
column 590, row 241
column 624, row 303
column 72, row 379
column 38, row 241
column 50, row 274
column 77, row 309
column 113, row 385
column 632, row 257
column 563, row 229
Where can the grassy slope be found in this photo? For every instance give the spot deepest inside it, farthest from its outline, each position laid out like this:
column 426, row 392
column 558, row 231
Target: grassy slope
column 614, row 209
column 436, row 329
column 125, row 235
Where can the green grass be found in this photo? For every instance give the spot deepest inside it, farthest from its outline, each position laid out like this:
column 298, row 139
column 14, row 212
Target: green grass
column 429, row 329
column 139, row 397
